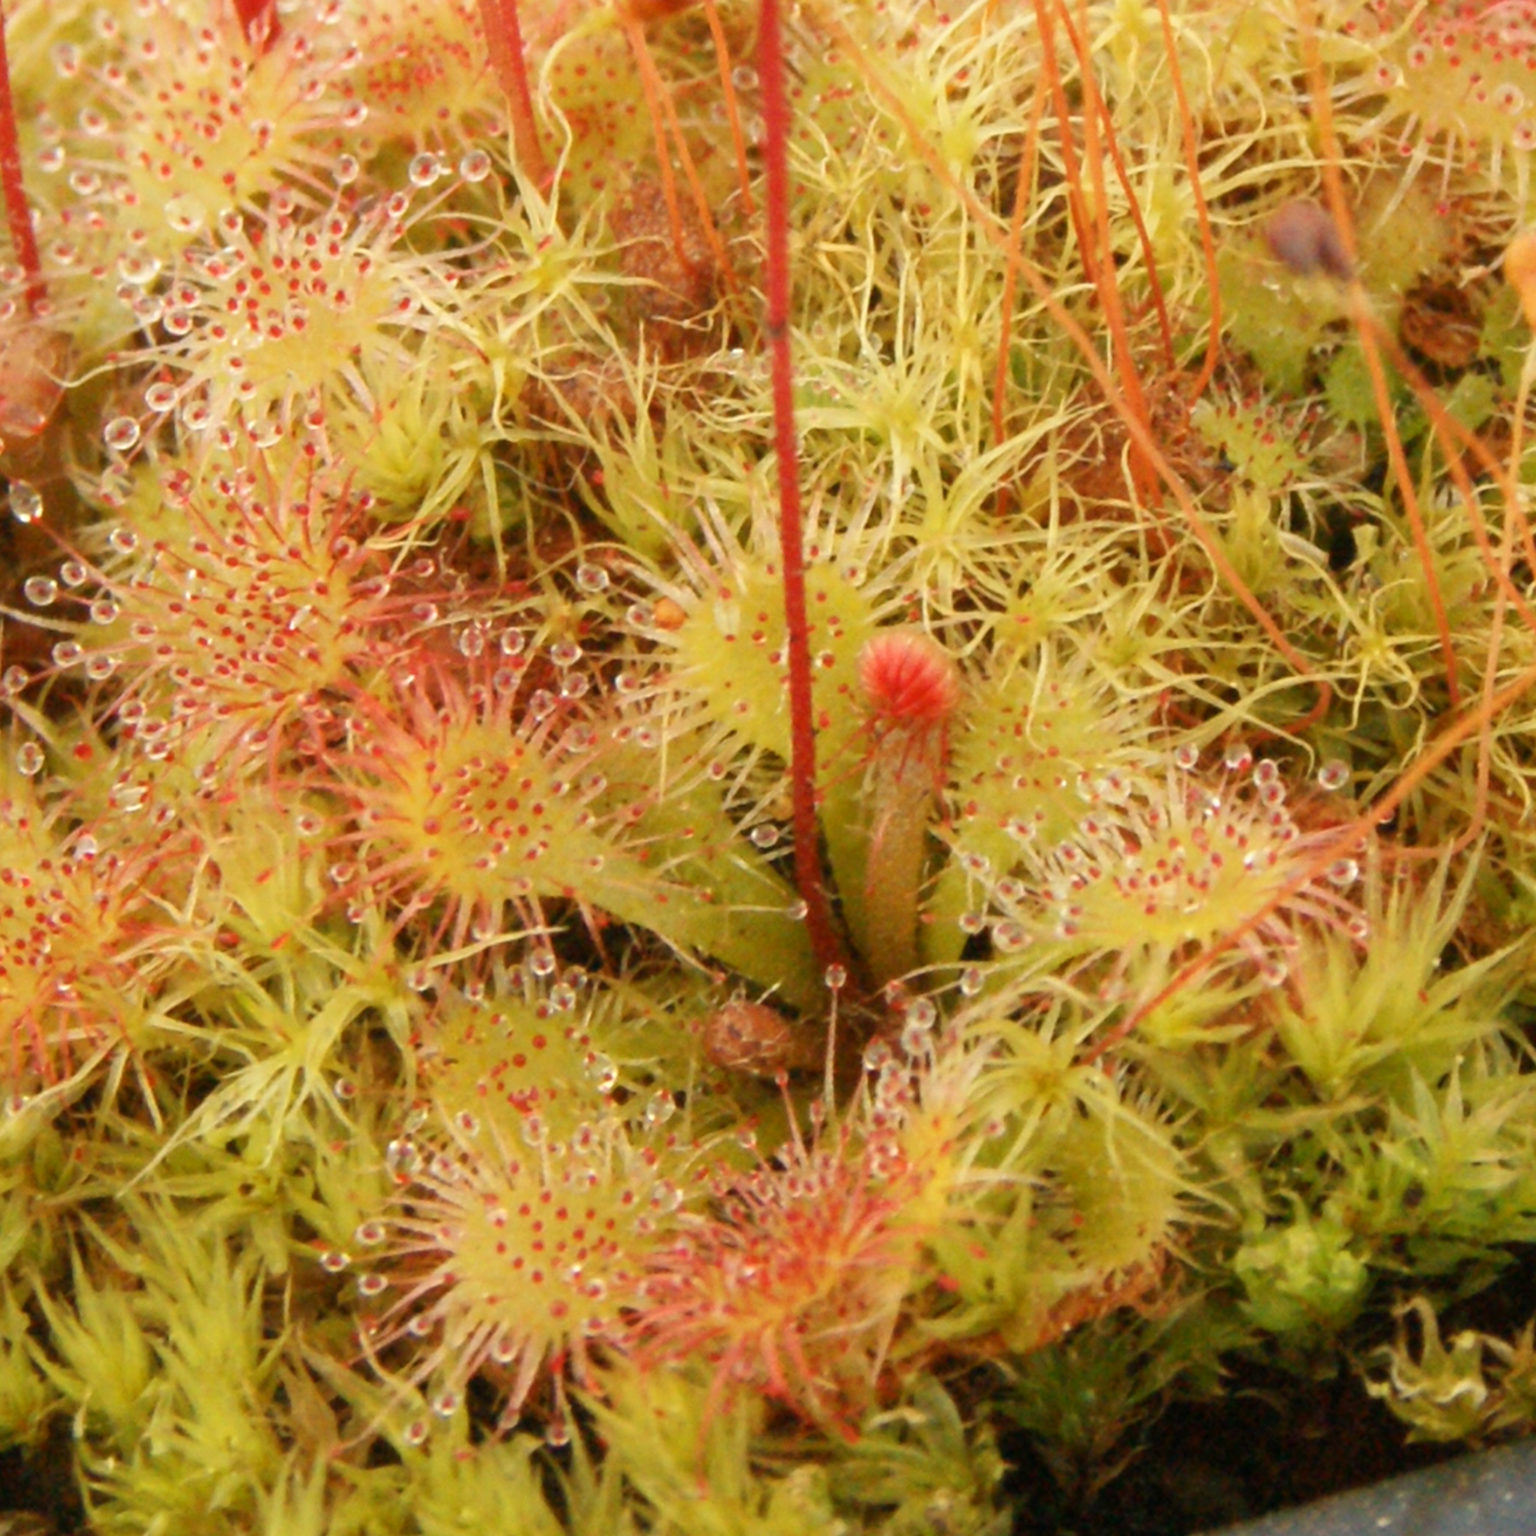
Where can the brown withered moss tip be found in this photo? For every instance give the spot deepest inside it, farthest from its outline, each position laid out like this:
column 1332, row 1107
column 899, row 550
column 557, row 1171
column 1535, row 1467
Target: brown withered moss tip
column 585, row 390
column 1303, row 236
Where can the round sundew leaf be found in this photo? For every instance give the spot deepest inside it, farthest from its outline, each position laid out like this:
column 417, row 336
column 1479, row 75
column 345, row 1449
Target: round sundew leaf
column 731, row 650
column 1018, row 752
column 473, row 813
column 521, row 1250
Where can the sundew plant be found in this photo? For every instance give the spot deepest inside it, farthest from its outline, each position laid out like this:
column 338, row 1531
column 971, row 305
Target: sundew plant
column 753, row 756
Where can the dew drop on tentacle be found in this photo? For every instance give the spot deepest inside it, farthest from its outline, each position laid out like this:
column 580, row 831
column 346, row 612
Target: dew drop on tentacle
column 1333, row 775
column 26, row 501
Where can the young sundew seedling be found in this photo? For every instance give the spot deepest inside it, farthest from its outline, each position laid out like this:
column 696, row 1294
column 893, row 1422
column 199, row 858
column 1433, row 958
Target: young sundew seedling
column 217, row 625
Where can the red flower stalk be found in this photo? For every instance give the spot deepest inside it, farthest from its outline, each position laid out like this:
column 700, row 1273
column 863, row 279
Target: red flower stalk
column 802, row 757
column 504, row 41
column 18, row 212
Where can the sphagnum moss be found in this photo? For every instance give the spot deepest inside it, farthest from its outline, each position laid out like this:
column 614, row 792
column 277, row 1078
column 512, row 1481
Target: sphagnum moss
column 434, row 1093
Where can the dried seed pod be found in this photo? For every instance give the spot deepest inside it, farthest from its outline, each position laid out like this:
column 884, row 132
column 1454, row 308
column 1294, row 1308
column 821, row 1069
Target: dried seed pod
column 670, row 267
column 754, row 1038
column 1303, row 236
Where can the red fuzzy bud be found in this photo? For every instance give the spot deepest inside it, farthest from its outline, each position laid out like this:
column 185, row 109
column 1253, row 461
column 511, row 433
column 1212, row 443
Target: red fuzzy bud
column 909, row 681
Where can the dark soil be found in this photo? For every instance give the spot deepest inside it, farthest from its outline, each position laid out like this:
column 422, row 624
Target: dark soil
column 1271, row 1443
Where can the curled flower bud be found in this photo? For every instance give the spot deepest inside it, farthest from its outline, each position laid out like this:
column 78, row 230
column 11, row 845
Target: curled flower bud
column 1303, row 235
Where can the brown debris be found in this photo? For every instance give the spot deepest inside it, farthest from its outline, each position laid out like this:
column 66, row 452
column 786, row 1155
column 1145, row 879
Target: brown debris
column 675, row 277
column 1441, row 322
column 757, row 1039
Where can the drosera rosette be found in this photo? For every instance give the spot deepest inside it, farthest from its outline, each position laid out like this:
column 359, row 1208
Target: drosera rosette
column 420, row 79
column 1450, row 84
column 1038, row 720
column 1286, row 466
column 129, row 169
column 542, row 1038
column 1268, row 443
column 715, row 617
column 273, row 313
column 791, row 1282
column 217, row 619
column 497, row 791
column 911, row 713
column 533, row 1177
column 84, row 940
column 155, row 158
column 1164, row 870
column 1287, row 510
column 978, row 1186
